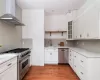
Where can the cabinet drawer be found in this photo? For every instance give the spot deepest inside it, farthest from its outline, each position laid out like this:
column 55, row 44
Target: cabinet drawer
column 82, row 73
column 7, row 64
column 83, row 61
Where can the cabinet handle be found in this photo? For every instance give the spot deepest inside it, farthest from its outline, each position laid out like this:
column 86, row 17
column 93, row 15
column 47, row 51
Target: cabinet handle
column 62, row 50
column 75, row 56
column 50, row 53
column 75, row 66
column 82, row 73
column 81, row 61
column 9, row 64
column 70, row 59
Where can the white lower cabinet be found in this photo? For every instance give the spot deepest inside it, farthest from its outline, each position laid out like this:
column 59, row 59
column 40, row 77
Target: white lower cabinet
column 51, row 56
column 87, row 68
column 8, row 70
column 10, row 74
column 71, row 58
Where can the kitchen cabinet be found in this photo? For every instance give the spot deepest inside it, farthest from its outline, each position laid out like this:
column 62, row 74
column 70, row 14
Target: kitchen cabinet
column 70, row 31
column 71, row 17
column 85, row 64
column 51, row 56
column 10, row 74
column 8, row 70
column 87, row 26
column 71, row 58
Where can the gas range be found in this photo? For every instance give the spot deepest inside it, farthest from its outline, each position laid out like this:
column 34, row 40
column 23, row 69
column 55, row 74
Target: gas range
column 23, row 60
column 21, row 52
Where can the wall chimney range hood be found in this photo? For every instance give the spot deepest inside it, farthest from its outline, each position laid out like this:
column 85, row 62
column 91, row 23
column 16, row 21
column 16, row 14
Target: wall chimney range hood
column 8, row 12
column 11, row 19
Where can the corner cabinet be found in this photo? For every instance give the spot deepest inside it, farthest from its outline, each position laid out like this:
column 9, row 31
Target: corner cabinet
column 87, row 25
column 85, row 64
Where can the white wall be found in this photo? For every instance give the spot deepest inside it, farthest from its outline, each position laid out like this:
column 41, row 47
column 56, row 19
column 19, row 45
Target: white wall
column 56, row 22
column 34, row 20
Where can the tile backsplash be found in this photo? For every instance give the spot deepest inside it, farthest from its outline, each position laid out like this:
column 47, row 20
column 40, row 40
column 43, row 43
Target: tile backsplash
column 56, row 42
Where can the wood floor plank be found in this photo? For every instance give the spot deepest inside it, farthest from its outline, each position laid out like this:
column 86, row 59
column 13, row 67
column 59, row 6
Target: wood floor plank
column 51, row 72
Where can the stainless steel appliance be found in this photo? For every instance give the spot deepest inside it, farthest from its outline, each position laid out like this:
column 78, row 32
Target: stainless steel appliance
column 23, row 60
column 63, row 56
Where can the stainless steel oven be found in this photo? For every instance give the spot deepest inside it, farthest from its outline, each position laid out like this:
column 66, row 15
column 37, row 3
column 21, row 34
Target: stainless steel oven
column 24, row 66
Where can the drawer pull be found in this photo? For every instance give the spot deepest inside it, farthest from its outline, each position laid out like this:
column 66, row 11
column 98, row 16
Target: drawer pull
column 9, row 64
column 81, row 61
column 75, row 56
column 82, row 73
column 75, row 66
column 70, row 59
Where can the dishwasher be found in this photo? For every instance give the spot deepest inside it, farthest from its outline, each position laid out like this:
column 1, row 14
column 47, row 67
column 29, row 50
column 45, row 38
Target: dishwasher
column 63, row 56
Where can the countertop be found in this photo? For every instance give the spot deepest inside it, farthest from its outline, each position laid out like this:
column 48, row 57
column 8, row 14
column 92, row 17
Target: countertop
column 86, row 53
column 83, row 52
column 6, row 57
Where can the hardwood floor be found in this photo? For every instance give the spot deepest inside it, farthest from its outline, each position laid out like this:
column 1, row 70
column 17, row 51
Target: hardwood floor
column 51, row 72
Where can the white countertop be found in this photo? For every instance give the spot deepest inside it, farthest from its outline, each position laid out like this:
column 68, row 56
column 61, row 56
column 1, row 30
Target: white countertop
column 83, row 52
column 86, row 53
column 6, row 57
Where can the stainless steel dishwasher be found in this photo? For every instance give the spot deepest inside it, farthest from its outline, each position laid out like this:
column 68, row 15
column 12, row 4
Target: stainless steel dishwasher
column 63, row 56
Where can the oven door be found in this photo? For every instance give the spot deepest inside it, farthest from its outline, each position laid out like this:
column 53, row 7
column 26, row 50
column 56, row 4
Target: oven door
column 24, row 66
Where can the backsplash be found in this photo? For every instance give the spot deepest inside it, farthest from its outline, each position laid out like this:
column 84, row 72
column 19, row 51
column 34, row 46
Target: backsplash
column 27, row 43
column 90, row 45
column 56, row 42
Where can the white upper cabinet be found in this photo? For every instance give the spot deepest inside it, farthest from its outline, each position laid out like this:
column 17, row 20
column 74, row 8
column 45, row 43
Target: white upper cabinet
column 71, row 17
column 87, row 24
column 7, row 7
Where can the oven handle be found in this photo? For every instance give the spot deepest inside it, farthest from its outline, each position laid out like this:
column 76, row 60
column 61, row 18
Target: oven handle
column 24, row 58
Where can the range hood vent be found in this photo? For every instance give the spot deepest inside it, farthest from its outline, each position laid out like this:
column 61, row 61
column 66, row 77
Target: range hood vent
column 11, row 19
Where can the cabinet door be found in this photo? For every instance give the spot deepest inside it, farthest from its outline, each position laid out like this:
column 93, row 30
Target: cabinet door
column 92, row 23
column 76, row 62
column 71, row 58
column 70, row 30
column 54, row 57
column 9, row 74
column 47, row 56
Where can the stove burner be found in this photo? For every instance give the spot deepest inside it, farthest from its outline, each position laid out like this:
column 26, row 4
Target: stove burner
column 18, row 50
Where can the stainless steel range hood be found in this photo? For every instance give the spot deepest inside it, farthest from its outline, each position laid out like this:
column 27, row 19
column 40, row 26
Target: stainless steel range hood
column 11, row 19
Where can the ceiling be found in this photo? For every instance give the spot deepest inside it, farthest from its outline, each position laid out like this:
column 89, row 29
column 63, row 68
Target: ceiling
column 51, row 6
